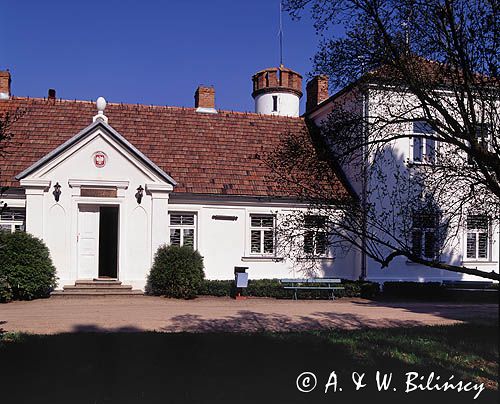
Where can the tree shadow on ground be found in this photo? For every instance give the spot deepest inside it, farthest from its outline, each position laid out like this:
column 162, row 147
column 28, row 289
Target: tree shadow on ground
column 100, row 367
column 251, row 321
column 486, row 313
column 94, row 328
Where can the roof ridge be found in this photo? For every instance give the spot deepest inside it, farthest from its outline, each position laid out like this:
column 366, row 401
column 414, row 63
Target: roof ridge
column 151, row 106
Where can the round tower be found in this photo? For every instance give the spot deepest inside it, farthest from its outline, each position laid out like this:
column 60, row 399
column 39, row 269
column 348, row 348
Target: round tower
column 277, row 91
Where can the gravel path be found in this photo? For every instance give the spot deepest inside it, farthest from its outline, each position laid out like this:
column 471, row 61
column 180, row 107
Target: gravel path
column 206, row 314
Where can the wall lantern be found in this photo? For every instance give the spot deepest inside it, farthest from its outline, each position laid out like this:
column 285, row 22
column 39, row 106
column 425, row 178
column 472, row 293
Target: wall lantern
column 57, row 191
column 139, row 194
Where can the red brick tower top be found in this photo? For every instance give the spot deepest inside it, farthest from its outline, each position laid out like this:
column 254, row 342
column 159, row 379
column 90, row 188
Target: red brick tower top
column 277, row 79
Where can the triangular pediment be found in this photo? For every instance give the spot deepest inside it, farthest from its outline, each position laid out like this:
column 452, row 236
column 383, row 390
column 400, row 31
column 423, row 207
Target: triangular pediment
column 97, row 152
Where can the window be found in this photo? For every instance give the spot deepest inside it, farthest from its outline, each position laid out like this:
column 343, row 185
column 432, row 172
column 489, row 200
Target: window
column 315, row 239
column 424, row 148
column 477, row 237
column 262, row 234
column 483, row 138
column 12, row 219
column 275, row 103
column 182, row 229
column 424, row 234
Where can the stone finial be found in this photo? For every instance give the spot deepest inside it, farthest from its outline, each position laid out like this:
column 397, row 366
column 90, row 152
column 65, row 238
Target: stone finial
column 101, row 106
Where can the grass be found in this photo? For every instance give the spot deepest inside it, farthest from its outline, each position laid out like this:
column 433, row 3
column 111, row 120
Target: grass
column 244, row 368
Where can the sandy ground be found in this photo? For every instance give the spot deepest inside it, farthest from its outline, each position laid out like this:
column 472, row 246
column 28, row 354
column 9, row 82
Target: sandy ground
column 206, row 314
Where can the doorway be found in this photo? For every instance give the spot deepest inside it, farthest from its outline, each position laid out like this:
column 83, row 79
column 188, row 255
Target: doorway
column 108, row 242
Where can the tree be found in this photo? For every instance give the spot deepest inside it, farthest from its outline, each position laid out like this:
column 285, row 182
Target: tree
column 432, row 68
column 7, row 119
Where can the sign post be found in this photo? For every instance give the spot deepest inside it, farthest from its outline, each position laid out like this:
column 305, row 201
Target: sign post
column 241, row 280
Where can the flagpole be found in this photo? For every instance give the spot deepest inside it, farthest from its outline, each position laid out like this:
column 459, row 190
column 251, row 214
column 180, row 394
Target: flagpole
column 281, row 36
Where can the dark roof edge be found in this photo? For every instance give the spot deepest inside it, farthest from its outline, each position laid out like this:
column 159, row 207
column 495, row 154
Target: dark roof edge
column 198, row 197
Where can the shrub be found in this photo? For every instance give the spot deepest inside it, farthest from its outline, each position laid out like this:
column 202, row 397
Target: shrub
column 217, row 288
column 266, row 288
column 176, row 272
column 369, row 290
column 414, row 290
column 273, row 288
column 26, row 267
column 5, row 290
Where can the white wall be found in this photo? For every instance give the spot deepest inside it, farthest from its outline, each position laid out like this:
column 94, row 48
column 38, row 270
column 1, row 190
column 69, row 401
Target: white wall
column 225, row 244
column 57, row 222
column 288, row 104
column 379, row 103
column 389, row 105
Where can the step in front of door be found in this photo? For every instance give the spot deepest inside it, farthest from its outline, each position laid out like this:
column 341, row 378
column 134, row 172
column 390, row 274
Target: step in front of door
column 90, row 287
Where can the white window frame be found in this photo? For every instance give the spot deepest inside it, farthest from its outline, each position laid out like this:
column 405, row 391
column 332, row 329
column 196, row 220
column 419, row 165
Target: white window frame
column 13, row 224
column 476, row 232
column 424, row 145
column 182, row 227
column 262, row 230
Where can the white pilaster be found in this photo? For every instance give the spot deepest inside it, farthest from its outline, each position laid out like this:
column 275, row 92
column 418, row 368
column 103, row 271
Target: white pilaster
column 35, row 190
column 159, row 214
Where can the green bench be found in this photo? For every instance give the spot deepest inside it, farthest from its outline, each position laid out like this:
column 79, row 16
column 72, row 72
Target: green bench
column 330, row 284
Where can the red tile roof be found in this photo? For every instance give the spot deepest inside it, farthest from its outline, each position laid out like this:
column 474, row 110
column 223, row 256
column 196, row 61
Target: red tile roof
column 204, row 153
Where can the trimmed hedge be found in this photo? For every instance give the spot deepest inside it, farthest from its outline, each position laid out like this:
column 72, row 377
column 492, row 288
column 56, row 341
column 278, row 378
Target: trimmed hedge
column 26, row 270
column 414, row 290
column 273, row 288
column 368, row 290
column 217, row 288
column 176, row 272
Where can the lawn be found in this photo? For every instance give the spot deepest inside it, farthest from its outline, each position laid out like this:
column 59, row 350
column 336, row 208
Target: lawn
column 246, row 368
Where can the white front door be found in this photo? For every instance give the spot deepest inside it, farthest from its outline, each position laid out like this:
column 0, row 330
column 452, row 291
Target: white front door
column 88, row 241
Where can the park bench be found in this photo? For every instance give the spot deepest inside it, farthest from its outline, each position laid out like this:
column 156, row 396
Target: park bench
column 471, row 286
column 330, row 284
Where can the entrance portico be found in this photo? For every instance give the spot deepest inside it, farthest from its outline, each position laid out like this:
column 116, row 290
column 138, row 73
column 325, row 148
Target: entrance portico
column 100, row 205
column 97, row 241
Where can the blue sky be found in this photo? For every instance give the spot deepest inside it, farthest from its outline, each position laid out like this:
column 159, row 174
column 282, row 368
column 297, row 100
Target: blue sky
column 151, row 52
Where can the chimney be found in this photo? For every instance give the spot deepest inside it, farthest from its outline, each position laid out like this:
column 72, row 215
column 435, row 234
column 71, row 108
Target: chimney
column 204, row 99
column 317, row 91
column 4, row 85
column 52, row 94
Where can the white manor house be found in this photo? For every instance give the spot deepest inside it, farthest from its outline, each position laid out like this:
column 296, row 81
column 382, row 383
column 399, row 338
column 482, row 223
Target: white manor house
column 105, row 184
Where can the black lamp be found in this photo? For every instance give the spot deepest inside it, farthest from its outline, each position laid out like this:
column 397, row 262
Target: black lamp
column 139, row 194
column 57, row 191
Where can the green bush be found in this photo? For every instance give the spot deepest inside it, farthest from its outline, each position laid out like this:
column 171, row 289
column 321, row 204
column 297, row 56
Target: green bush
column 5, row 290
column 414, row 290
column 369, row 290
column 266, row 288
column 217, row 288
column 273, row 288
column 26, row 267
column 176, row 272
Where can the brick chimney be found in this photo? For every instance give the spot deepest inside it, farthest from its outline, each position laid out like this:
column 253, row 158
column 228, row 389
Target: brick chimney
column 204, row 99
column 317, row 91
column 4, row 85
